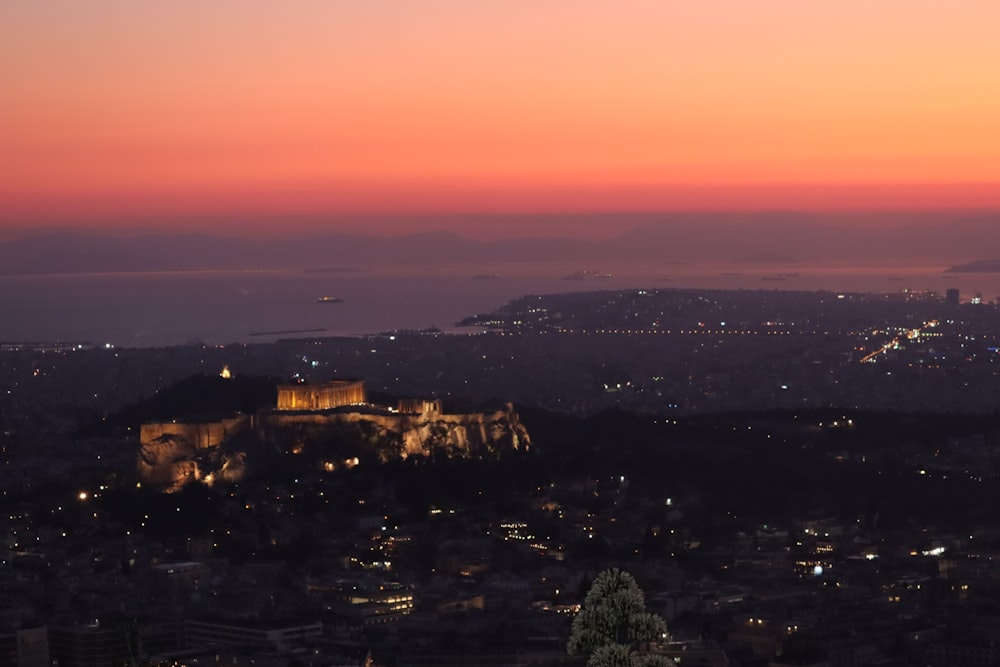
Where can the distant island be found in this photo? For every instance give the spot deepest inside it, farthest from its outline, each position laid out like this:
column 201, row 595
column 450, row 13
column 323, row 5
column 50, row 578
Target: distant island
column 977, row 266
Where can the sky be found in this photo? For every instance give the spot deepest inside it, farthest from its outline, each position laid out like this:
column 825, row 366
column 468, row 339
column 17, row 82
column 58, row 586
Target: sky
column 239, row 113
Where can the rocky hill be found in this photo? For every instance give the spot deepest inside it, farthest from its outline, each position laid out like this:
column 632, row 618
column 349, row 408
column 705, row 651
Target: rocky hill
column 173, row 454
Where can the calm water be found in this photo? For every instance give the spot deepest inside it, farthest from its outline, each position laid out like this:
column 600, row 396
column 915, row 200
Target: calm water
column 151, row 309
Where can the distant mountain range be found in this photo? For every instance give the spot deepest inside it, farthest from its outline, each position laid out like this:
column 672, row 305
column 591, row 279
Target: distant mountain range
column 786, row 238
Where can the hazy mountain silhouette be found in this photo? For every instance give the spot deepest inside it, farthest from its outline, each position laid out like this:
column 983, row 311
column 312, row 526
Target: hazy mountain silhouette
column 806, row 236
column 801, row 237
column 976, row 266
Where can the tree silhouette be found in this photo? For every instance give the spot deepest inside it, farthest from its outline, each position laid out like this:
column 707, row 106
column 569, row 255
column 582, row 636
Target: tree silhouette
column 613, row 621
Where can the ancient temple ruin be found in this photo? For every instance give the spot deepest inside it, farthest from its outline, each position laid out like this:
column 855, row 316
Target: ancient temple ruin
column 326, row 396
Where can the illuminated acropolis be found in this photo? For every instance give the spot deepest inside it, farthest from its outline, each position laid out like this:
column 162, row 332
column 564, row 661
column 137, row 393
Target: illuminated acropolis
column 177, row 452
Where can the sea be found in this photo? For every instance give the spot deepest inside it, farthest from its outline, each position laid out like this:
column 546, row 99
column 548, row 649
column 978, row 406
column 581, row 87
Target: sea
column 153, row 309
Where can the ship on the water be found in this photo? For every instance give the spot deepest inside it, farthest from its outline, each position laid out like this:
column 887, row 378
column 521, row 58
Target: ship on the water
column 330, row 299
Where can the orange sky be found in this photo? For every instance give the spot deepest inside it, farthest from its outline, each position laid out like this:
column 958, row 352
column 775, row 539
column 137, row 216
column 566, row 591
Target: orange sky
column 129, row 111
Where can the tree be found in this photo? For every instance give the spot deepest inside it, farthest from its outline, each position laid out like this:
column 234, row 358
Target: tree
column 612, row 621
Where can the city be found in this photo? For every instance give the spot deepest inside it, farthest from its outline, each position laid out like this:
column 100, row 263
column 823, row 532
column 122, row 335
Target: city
column 777, row 469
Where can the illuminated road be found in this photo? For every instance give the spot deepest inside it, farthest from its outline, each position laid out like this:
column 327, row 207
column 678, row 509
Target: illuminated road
column 912, row 334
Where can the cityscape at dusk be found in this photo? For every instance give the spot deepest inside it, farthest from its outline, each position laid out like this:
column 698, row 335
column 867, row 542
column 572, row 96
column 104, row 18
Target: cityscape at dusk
column 552, row 334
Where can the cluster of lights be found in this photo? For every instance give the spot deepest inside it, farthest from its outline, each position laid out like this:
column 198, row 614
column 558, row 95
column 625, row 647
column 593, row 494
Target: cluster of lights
column 513, row 531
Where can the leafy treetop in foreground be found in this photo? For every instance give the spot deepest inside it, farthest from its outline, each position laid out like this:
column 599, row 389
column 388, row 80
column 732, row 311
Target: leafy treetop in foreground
column 613, row 620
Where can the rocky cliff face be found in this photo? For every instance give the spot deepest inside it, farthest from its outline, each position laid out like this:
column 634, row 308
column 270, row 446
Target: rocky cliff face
column 174, row 454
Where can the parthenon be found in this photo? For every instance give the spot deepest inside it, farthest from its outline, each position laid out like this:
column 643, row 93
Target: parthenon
column 329, row 395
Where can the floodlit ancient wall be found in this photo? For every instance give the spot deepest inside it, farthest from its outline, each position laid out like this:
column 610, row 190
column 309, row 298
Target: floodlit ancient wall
column 420, row 433
column 199, row 435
